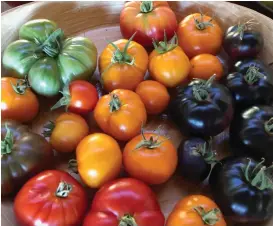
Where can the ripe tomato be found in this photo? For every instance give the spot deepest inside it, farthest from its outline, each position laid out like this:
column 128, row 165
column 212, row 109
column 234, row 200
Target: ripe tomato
column 154, row 95
column 66, row 132
column 18, row 102
column 149, row 19
column 196, row 210
column 150, row 158
column 203, row 66
column 122, row 65
column 199, row 34
column 120, row 114
column 52, row 198
column 123, row 202
column 79, row 97
column 99, row 159
column 168, row 64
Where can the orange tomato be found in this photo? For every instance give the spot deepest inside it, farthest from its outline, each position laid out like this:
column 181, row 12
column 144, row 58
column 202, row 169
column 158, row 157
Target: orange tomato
column 206, row 65
column 18, row 102
column 67, row 132
column 169, row 65
column 196, row 210
column 199, row 34
column 154, row 95
column 150, row 157
column 120, row 114
column 99, row 159
column 123, row 65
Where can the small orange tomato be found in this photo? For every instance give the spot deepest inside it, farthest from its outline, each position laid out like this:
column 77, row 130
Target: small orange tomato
column 99, row 159
column 206, row 65
column 168, row 64
column 154, row 95
column 120, row 114
column 66, row 132
column 196, row 210
column 199, row 34
column 150, row 158
column 18, row 102
column 122, row 65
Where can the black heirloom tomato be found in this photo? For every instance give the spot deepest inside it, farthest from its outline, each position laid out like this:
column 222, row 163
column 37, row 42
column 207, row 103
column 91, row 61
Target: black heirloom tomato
column 251, row 133
column 243, row 189
column 202, row 108
column 23, row 154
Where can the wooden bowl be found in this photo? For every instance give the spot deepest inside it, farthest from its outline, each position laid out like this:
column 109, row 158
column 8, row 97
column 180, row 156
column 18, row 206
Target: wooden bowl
column 100, row 21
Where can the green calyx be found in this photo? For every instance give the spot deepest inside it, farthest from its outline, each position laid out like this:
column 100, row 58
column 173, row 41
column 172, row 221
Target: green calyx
column 259, row 177
column 73, row 165
column 48, row 128
column 205, row 150
column 127, row 220
column 200, row 24
column 201, row 90
column 115, row 103
column 65, row 100
column 146, row 6
column 241, row 28
column 63, row 189
column 209, row 218
column 164, row 46
column 7, row 143
column 268, row 126
column 21, row 86
column 253, row 75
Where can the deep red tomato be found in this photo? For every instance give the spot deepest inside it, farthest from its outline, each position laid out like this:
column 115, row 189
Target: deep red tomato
column 125, row 201
column 149, row 19
column 52, row 198
column 79, row 97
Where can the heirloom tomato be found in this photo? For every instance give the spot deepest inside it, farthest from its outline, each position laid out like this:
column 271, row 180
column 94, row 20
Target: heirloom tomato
column 120, row 114
column 199, row 34
column 125, row 202
column 150, row 19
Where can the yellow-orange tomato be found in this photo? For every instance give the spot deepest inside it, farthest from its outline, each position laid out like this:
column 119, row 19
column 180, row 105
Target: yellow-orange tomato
column 120, row 114
column 199, row 34
column 152, row 160
column 18, row 102
column 67, row 132
column 99, row 159
column 123, row 66
column 194, row 210
column 203, row 66
column 154, row 95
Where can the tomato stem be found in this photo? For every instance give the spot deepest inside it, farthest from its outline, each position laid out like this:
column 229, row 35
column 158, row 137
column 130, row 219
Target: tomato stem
column 21, row 86
column 268, row 126
column 210, row 217
column 146, row 6
column 200, row 24
column 63, row 189
column 73, row 165
column 201, row 90
column 65, row 100
column 48, row 128
column 164, row 46
column 127, row 220
column 115, row 103
column 7, row 143
column 253, row 75
column 241, row 28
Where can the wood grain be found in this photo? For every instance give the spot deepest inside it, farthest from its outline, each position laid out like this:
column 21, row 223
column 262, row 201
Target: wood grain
column 99, row 22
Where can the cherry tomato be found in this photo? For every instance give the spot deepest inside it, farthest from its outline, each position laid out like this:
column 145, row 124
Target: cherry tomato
column 203, row 66
column 199, row 34
column 79, row 97
column 18, row 102
column 99, row 159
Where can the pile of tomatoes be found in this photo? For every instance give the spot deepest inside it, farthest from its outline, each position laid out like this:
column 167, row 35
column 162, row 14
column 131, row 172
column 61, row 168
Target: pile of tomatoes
column 187, row 82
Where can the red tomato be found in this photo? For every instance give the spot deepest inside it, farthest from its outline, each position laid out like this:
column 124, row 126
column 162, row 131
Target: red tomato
column 125, row 201
column 52, row 198
column 149, row 19
column 80, row 97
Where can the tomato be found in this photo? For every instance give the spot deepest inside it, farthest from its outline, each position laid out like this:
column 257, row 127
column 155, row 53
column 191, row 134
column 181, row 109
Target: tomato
column 203, row 66
column 123, row 202
column 66, row 132
column 52, row 198
column 150, row 158
column 18, row 102
column 120, row 114
column 122, row 65
column 199, row 34
column 154, row 95
column 196, row 210
column 149, row 19
column 79, row 97
column 168, row 64
column 99, row 159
